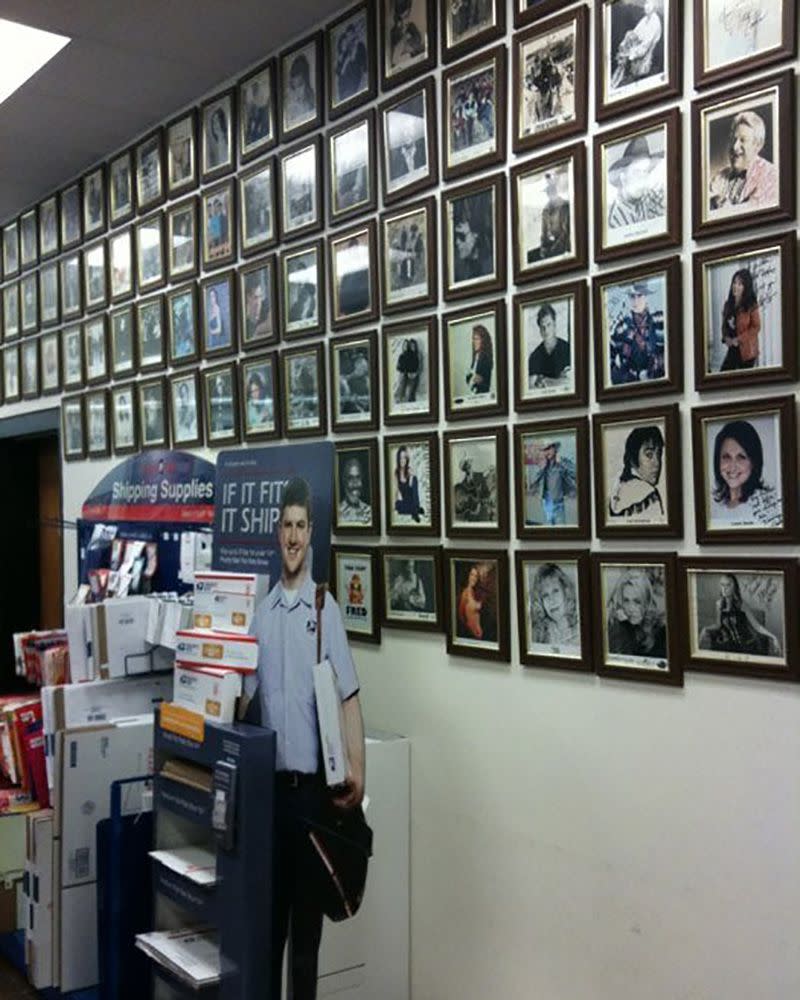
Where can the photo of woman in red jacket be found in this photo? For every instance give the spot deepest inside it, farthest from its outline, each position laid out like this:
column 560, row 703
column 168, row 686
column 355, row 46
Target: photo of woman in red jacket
column 741, row 323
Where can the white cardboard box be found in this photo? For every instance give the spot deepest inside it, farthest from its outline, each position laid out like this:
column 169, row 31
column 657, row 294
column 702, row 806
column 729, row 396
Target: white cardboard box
column 78, row 626
column 329, row 716
column 39, row 918
column 227, row 601
column 207, row 690
column 77, row 948
column 123, row 645
column 202, row 648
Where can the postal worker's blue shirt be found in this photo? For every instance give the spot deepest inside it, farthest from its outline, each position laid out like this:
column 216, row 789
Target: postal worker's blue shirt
column 287, row 652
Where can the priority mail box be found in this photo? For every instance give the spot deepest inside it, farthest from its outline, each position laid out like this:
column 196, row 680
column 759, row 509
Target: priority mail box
column 207, row 690
column 77, row 967
column 331, row 727
column 227, row 601
column 200, row 648
column 39, row 923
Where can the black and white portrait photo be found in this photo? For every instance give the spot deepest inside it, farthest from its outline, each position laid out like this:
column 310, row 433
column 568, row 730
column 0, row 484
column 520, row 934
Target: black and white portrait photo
column 94, row 203
column 472, row 498
column 464, row 20
column 472, row 363
column 355, row 489
column 300, row 180
column 185, row 409
column 122, row 353
column 303, row 390
column 11, row 310
column 150, row 323
column 120, row 188
column 11, row 249
column 11, row 379
column 257, row 210
column 181, row 154
column 182, row 240
column 71, row 227
column 50, row 371
column 220, row 399
column 407, row 357
column 547, row 68
column 546, row 354
column 405, row 255
column 123, row 426
column 120, row 264
column 405, row 129
column 29, row 301
column 634, row 318
column 72, row 422
column 29, row 239
column 95, row 289
column 352, row 275
column 258, row 386
column 351, row 172
column 739, row 34
column 411, row 589
column 97, row 423
column 349, row 41
column 634, row 615
column 634, row 179
column 301, row 291
column 94, row 336
column 472, row 101
column 71, row 357
column 545, row 216
column 553, row 614
column 48, row 227
column 30, row 369
column 218, row 136
column 256, row 112
column 153, row 414
column 150, row 253
column 257, row 303
column 636, row 469
column 406, row 42
column 48, row 294
column 353, row 381
column 70, row 278
column 472, row 237
column 149, row 172
column 354, row 587
column 300, row 99
column 635, row 38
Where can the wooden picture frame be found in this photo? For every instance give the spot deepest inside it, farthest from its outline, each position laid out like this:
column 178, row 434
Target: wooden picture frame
column 11, row 254
column 122, row 341
column 12, row 376
column 351, row 65
column 473, row 133
column 95, row 276
column 353, row 281
column 29, row 303
column 152, row 413
column 29, row 239
column 151, row 188
column 302, row 291
column 258, row 112
column 183, row 245
column 300, row 189
column 49, row 243
column 258, row 208
column 183, row 325
column 30, row 374
column 180, row 138
column 407, row 140
column 301, row 93
column 259, row 393
column 218, row 225
column 121, row 270
column 72, row 368
column 412, row 496
column 49, row 302
column 11, row 311
column 408, row 41
column 410, row 372
column 151, row 266
column 121, row 188
column 218, row 315
column 475, row 375
column 357, row 488
column 409, row 275
column 460, row 36
column 151, row 339
column 124, row 426
column 780, row 27
column 305, row 408
column 355, row 386
column 98, row 433
column 474, row 238
column 475, row 475
column 50, row 363
column 95, row 349
column 352, row 176
column 258, row 303
column 477, row 599
column 95, row 220
column 220, row 397
column 354, row 584
column 70, row 280
column 527, row 11
column 218, row 135
column 412, row 591
column 73, row 428
column 71, row 219
column 185, row 409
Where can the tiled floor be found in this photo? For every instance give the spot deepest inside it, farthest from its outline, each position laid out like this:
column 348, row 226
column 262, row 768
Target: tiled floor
column 13, row 985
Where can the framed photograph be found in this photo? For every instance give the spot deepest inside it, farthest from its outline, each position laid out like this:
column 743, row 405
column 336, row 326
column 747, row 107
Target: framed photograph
column 49, row 313
column 123, row 342
column 302, row 290
column 551, row 473
column 11, row 311
column 183, row 325
column 153, row 416
column 301, row 87
column 468, row 26
column 259, row 396
column 301, row 188
column 28, row 239
column 637, row 171
column 50, row 362
column 638, row 47
column 354, row 582
column 48, row 227
column 475, row 477
column 355, row 394
column 745, row 471
column 408, row 256
column 353, row 276
column 70, row 276
column 745, row 313
column 150, row 186
column 352, row 184
column 11, row 263
column 12, row 388
column 410, row 372
column 550, row 335
column 151, row 271
column 411, row 580
column 475, row 362
column 72, row 427
column 732, row 40
column 553, row 608
column 635, row 637
column 98, row 441
column 548, row 213
column 94, row 202
column 185, row 414
column 151, row 339
column 257, row 217
column 550, row 81
column 218, row 214
column 124, row 432
column 411, row 483
column 71, row 218
column 258, row 316
column 218, row 135
column 305, row 409
column 258, row 128
column 95, row 277
column 95, row 349
column 408, row 40
column 407, row 138
column 474, row 135
column 352, row 75
column 526, row 11
column 181, row 140
column 737, row 616
column 357, row 488
column 71, row 357
column 477, row 599
column 120, row 261
column 637, row 473
column 638, row 330
column 745, row 164
column 218, row 314
column 182, row 242
column 30, row 369
column 121, row 188
column 474, row 235
column 29, row 302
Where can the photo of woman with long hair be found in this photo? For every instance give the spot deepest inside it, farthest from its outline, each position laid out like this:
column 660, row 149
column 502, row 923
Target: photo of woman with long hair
column 476, row 616
column 739, row 493
column 553, row 610
column 741, row 323
column 635, row 617
column 406, row 487
column 736, row 628
column 479, row 376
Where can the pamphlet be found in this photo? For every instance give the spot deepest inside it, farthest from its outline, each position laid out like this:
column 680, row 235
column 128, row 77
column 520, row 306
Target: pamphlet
column 199, row 864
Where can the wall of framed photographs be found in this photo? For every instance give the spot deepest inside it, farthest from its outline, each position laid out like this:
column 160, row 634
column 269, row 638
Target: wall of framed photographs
column 534, row 271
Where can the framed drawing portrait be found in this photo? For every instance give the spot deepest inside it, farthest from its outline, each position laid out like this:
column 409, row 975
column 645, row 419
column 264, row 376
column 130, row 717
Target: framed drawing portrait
column 258, row 123
column 94, row 203
column 71, row 285
column 95, row 349
column 11, row 263
column 120, row 265
column 410, row 372
column 353, row 276
column 638, row 330
column 411, row 590
column 744, row 157
column 151, row 189
column 351, row 60
column 29, row 303
column 12, row 388
column 355, row 387
column 50, row 363
column 407, row 138
column 185, row 412
column 72, row 427
column 122, row 342
column 152, row 413
column 475, row 477
column 221, row 404
column 411, row 483
column 737, row 616
column 151, row 344
column 477, row 601
column 258, row 303
column 550, row 336
column 745, row 471
column 357, row 488
column 48, row 227
column 549, row 215
column 218, row 314
column 551, row 472
column 305, row 408
column 151, row 271
column 257, row 216
column 637, row 473
column 95, row 276
column 732, row 40
column 71, row 219
column 49, row 313
column 258, row 376
column 354, row 582
column 124, row 431
column 29, row 352
column 408, row 257
column 408, row 40
column 553, row 608
column 28, row 239
column 182, row 242
column 475, row 362
column 181, row 139
column 183, row 327
column 550, row 80
column 635, row 637
column 121, row 188
column 474, row 235
column 474, row 134
column 301, row 88
column 218, row 214
column 468, row 26
column 638, row 45
column 11, row 310
column 352, row 185
column 302, row 290
column 98, row 439
column 637, row 174
column 218, row 135
column 746, row 313
column 71, row 357
column 301, row 188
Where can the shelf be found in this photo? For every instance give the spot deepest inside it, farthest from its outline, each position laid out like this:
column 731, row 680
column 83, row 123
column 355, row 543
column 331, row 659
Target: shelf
column 199, row 900
column 183, row 800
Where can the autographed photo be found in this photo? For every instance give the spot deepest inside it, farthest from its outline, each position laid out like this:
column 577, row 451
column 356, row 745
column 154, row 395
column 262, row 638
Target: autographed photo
column 407, row 361
column 409, row 483
column 471, row 356
column 633, row 178
column 471, row 100
column 634, row 615
column 740, row 32
column 635, row 38
column 552, row 609
column 549, row 478
column 545, row 223
column 636, row 466
column 473, row 501
column 634, row 320
column 547, row 71
column 406, row 253
column 546, row 355
column 410, row 593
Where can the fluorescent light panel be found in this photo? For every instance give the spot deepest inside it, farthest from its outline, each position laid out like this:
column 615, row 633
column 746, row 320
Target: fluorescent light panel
column 25, row 50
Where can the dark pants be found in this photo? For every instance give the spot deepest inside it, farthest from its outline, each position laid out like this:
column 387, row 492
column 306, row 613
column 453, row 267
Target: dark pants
column 293, row 892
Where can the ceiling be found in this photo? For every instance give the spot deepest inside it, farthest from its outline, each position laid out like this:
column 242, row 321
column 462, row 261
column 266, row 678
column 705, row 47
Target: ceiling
column 131, row 63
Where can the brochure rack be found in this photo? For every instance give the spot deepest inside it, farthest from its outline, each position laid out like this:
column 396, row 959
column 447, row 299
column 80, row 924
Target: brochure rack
column 236, row 815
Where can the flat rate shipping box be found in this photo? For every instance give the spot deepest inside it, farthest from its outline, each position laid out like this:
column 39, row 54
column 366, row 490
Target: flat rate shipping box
column 39, row 871
column 227, row 601
column 201, row 648
column 207, row 690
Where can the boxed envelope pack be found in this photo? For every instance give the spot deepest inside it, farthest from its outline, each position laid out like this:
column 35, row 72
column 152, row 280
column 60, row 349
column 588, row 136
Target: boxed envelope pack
column 227, row 601
column 207, row 690
column 202, row 648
